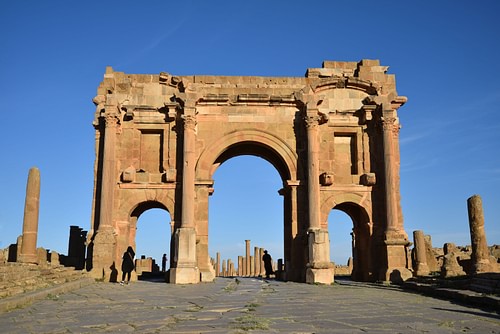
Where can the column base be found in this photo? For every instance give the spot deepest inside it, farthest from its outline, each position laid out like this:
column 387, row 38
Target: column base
column 28, row 258
column 422, row 269
column 207, row 275
column 104, row 266
column 319, row 276
column 184, row 275
column 396, row 244
column 397, row 275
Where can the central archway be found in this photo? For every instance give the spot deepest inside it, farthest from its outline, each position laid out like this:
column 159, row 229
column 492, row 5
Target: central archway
column 278, row 154
column 245, row 205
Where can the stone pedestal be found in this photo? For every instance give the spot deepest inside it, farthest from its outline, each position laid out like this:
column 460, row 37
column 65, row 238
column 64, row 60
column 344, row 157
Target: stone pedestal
column 320, row 269
column 207, row 274
column 396, row 244
column 103, row 261
column 185, row 270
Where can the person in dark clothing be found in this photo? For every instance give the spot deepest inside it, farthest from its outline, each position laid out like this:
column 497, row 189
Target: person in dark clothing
column 164, row 262
column 127, row 264
column 268, row 263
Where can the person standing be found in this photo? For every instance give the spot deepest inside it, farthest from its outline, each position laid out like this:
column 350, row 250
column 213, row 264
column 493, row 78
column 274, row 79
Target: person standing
column 127, row 264
column 164, row 262
column 268, row 263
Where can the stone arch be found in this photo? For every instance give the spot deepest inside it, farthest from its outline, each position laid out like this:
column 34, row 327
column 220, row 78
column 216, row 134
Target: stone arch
column 252, row 142
column 147, row 199
column 136, row 203
column 354, row 206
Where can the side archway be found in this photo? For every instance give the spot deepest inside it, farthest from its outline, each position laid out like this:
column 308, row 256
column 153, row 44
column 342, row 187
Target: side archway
column 354, row 206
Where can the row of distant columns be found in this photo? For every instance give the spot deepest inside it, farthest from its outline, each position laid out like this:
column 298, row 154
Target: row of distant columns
column 247, row 266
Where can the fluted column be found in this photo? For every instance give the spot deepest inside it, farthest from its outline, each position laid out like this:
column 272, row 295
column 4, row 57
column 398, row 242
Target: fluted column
column 186, row 270
column 312, row 128
column 320, row 269
column 104, row 258
column 395, row 238
column 389, row 126
column 189, row 159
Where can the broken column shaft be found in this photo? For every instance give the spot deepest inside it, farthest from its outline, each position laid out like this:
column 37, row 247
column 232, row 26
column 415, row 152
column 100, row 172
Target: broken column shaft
column 30, row 223
column 480, row 254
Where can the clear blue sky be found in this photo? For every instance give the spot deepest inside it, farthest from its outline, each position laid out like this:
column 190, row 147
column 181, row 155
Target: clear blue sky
column 445, row 55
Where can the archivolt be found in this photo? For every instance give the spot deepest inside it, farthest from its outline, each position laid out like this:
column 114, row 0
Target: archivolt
column 255, row 142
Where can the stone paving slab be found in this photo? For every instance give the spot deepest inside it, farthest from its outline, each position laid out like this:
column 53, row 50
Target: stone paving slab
column 245, row 305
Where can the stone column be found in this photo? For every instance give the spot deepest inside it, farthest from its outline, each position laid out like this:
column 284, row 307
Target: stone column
column 223, row 269
column 104, row 260
column 389, row 126
column 30, row 224
column 217, row 265
column 320, row 269
column 252, row 266
column 240, row 265
column 395, row 239
column 186, row 271
column 256, row 261
column 262, row 269
column 247, row 257
column 421, row 267
column 480, row 254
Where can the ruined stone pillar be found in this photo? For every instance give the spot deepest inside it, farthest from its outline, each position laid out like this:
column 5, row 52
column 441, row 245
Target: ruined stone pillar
column 256, row 261
column 223, row 269
column 217, row 265
column 480, row 254
column 28, row 252
column 320, row 269
column 421, row 267
column 247, row 257
column 262, row 269
column 185, row 270
column 240, row 265
column 312, row 127
column 104, row 260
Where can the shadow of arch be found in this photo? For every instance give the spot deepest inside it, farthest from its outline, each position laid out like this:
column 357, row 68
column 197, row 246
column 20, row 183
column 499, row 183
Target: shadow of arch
column 351, row 204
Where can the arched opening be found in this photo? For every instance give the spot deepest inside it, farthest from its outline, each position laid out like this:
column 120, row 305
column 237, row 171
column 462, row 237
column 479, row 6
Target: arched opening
column 340, row 227
column 350, row 233
column 245, row 205
column 152, row 239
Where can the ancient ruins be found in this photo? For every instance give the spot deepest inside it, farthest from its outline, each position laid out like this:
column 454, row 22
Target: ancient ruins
column 332, row 136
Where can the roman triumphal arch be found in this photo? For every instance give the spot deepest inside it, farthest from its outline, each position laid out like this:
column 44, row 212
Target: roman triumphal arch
column 332, row 136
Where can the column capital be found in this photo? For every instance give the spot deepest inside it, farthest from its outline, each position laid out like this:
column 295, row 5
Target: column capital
column 189, row 122
column 313, row 119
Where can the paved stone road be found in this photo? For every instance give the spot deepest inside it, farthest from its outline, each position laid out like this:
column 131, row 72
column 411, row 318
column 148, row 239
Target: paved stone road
column 246, row 305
